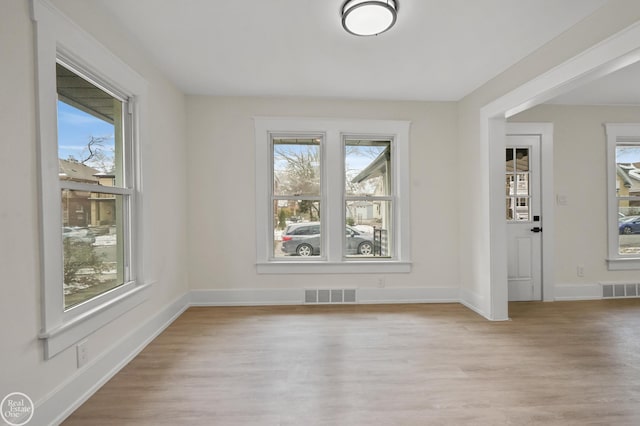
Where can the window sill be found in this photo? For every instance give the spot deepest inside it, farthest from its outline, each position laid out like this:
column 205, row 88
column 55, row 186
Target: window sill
column 623, row 264
column 323, row 267
column 68, row 333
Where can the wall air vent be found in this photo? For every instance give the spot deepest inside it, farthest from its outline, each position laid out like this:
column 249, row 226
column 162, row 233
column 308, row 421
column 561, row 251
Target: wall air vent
column 326, row 296
column 620, row 290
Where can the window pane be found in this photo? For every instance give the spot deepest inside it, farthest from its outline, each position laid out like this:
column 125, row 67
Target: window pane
column 367, row 228
column 90, row 131
column 367, row 167
column 522, row 159
column 296, row 228
column 296, row 166
column 518, row 209
column 517, row 160
column 511, row 208
column 510, row 185
column 628, row 154
column 93, row 248
column 522, row 186
column 522, row 209
column 509, row 160
column 628, row 171
column 629, row 226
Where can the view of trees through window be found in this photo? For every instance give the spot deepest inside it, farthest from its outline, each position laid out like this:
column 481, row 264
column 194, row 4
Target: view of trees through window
column 90, row 140
column 297, row 196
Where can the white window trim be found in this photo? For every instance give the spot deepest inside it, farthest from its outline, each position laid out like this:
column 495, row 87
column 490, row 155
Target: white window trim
column 332, row 207
column 57, row 35
column 617, row 133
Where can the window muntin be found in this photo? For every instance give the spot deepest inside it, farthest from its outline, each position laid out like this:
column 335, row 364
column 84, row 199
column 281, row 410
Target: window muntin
column 368, row 197
column 95, row 200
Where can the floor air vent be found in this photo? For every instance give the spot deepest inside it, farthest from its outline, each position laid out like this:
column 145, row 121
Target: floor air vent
column 347, row 295
column 611, row 291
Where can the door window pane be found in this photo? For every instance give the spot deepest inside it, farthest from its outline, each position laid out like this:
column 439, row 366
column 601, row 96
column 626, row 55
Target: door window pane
column 517, row 184
column 522, row 160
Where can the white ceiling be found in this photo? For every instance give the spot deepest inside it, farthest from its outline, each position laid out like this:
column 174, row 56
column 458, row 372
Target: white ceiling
column 438, row 50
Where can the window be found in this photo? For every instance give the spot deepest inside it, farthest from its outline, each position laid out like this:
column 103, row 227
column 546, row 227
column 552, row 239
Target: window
column 623, row 168
column 93, row 153
column 89, row 182
column 332, row 195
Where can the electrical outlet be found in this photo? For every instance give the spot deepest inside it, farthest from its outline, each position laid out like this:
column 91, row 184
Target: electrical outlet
column 580, row 270
column 82, row 353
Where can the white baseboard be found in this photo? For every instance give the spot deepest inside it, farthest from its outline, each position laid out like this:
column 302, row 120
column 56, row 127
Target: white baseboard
column 577, row 292
column 247, row 297
column 408, row 295
column 66, row 398
column 262, row 297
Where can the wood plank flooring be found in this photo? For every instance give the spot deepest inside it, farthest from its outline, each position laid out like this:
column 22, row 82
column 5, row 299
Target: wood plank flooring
column 562, row 363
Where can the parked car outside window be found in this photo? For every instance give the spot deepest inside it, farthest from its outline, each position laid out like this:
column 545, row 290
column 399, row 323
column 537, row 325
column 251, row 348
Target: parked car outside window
column 303, row 239
column 629, row 224
column 76, row 234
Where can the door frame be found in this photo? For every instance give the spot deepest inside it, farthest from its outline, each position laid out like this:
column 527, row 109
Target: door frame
column 610, row 55
column 547, row 202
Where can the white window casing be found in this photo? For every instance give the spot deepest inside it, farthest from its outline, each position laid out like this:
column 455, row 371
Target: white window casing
column 58, row 38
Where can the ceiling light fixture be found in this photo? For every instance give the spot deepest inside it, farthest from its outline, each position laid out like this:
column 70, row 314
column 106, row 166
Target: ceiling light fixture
column 369, row 17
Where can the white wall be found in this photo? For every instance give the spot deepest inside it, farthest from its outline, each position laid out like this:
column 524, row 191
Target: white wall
column 580, row 174
column 222, row 233
column 476, row 274
column 21, row 356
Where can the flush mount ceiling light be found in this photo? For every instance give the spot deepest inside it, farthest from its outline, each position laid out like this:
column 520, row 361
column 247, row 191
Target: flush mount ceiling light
column 369, row 17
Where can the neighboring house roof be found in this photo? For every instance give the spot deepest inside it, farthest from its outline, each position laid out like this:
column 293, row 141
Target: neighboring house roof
column 630, row 177
column 376, row 168
column 70, row 170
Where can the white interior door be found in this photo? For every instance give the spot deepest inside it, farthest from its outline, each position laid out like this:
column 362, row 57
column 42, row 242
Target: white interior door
column 524, row 222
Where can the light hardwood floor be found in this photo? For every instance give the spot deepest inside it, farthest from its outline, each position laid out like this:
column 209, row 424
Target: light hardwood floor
column 562, row 363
